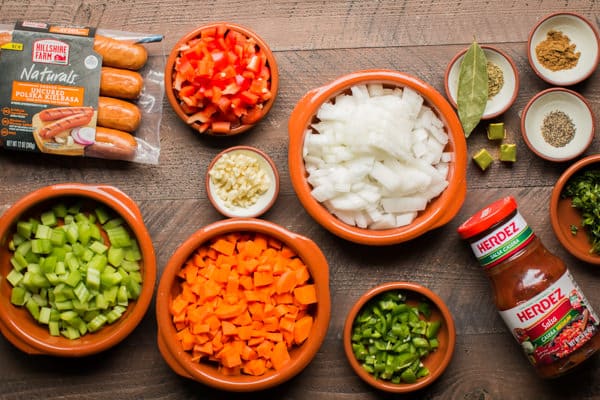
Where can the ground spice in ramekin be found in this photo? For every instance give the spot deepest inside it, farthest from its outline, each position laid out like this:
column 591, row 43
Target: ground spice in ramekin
column 558, row 129
column 495, row 79
column 557, row 52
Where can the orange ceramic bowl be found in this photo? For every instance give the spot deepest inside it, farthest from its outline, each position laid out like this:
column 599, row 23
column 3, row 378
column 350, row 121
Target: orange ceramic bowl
column 209, row 373
column 242, row 124
column 17, row 325
column 436, row 361
column 439, row 211
column 563, row 216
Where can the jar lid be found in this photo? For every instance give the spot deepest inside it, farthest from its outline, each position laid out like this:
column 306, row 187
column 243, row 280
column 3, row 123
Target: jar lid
column 487, row 217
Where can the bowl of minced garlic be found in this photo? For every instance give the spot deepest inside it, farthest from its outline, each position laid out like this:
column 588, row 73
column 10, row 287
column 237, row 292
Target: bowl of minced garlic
column 242, row 181
column 563, row 48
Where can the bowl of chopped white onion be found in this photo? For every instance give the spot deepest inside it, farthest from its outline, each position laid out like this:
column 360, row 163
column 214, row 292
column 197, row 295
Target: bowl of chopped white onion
column 377, row 157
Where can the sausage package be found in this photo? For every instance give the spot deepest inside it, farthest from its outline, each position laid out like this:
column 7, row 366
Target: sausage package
column 81, row 91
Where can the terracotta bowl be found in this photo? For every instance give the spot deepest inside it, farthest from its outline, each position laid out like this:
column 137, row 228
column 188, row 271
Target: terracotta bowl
column 563, row 216
column 581, row 33
column 436, row 361
column 209, row 373
column 236, row 127
column 504, row 99
column 439, row 211
column 18, row 326
column 575, row 106
column 264, row 201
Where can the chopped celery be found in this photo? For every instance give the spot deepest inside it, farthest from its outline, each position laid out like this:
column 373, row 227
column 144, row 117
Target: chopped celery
column 97, row 323
column 54, row 328
column 18, row 296
column 44, row 315
column 102, row 215
column 113, row 223
column 65, row 273
column 43, row 232
column 98, row 247
column 14, row 277
column 118, row 236
column 115, row 255
column 18, row 261
column 48, row 218
column 24, row 229
column 60, row 210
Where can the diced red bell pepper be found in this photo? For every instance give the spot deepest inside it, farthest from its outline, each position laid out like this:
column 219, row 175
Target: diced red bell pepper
column 222, row 78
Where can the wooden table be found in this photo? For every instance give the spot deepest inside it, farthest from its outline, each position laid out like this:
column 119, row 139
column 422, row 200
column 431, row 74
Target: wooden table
column 315, row 42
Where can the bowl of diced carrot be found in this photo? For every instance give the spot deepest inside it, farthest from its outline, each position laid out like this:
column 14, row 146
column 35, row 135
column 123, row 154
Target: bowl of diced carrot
column 221, row 79
column 243, row 305
column 78, row 270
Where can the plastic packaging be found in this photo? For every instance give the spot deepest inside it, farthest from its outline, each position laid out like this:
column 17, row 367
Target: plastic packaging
column 149, row 102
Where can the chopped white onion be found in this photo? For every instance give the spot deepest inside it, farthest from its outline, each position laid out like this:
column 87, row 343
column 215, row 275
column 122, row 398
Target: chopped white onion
column 376, row 157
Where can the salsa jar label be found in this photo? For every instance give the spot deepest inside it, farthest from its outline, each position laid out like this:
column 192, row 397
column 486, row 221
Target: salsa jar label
column 503, row 241
column 554, row 323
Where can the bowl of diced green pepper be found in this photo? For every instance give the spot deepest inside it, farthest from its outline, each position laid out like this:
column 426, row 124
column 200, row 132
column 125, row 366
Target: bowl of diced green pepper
column 78, row 269
column 399, row 337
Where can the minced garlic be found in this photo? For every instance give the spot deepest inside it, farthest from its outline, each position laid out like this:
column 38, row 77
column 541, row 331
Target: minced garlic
column 239, row 179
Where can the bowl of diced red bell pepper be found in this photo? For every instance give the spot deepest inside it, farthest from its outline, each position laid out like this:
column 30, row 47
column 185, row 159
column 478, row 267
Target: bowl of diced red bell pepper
column 221, row 79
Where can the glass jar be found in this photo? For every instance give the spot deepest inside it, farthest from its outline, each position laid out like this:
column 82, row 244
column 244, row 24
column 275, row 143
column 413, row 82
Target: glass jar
column 534, row 292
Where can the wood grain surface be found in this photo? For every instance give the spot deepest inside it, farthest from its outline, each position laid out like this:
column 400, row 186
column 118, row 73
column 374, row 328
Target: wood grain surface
column 315, row 42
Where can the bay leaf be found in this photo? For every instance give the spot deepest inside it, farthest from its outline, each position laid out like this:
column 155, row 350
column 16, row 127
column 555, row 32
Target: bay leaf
column 472, row 92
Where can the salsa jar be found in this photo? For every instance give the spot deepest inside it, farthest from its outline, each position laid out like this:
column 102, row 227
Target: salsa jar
column 534, row 292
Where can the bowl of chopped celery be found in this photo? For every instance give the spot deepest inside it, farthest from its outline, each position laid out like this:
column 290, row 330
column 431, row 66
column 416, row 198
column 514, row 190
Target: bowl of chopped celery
column 78, row 267
column 574, row 209
column 399, row 337
column 377, row 157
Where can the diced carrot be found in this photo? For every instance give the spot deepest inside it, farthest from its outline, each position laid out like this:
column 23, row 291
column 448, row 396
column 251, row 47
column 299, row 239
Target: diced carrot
column 287, row 324
column 225, row 311
column 287, row 252
column 286, row 282
column 199, row 328
column 223, row 246
column 246, row 282
column 302, row 329
column 209, row 289
column 264, row 349
column 206, row 348
column 262, row 278
column 255, row 367
column 228, row 328
column 248, row 353
column 178, row 304
column 306, row 294
column 244, row 302
column 280, row 356
column 271, row 324
column 302, row 275
column 244, row 332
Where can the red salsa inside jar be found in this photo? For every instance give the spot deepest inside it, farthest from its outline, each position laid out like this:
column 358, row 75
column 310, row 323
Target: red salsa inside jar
column 536, row 295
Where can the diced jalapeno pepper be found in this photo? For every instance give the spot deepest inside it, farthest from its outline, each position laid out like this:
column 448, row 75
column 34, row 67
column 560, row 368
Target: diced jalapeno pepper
column 390, row 337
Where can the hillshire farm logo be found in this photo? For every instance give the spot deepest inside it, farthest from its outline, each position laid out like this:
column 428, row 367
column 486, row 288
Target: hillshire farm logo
column 50, row 51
